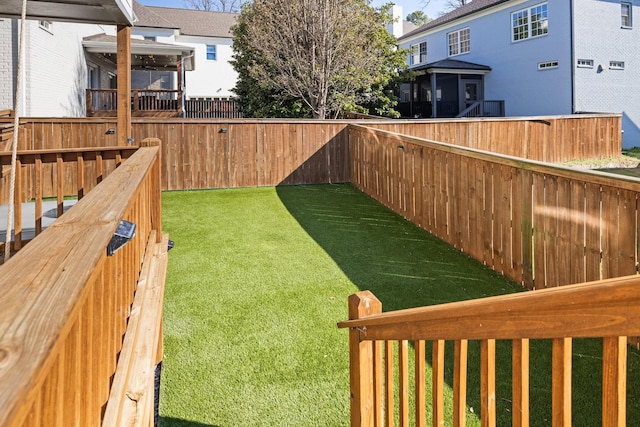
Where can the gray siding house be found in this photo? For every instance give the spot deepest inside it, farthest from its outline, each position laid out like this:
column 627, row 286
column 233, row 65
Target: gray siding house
column 531, row 57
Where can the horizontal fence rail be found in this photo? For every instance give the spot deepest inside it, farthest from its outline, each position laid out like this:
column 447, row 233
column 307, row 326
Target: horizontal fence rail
column 379, row 350
column 55, row 174
column 65, row 304
column 538, row 224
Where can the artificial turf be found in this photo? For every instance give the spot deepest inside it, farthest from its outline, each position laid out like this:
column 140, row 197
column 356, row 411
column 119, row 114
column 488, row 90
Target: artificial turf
column 257, row 281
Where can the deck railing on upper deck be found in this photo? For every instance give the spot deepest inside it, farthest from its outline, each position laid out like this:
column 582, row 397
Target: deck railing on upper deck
column 65, row 306
column 606, row 309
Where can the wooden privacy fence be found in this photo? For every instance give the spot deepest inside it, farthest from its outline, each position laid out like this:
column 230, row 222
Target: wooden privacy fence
column 76, row 347
column 605, row 309
column 200, row 153
column 549, row 139
column 538, row 224
column 53, row 174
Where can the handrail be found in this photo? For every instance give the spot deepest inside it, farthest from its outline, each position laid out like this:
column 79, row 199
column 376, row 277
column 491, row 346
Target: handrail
column 594, row 309
column 471, row 111
column 64, row 304
column 55, row 173
column 483, row 108
column 604, row 309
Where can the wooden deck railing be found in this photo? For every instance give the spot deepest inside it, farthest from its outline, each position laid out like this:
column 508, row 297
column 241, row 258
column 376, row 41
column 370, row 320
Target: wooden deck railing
column 54, row 174
column 144, row 102
column 70, row 350
column 605, row 309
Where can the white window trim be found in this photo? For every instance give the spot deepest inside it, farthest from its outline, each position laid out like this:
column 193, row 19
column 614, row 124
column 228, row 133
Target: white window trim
column 616, row 65
column 548, row 65
column 46, row 25
column 529, row 30
column 206, row 52
column 459, row 42
column 584, row 63
column 415, row 56
column 630, row 6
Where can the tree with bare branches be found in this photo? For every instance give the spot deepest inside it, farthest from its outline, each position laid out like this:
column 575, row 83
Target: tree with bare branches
column 215, row 5
column 319, row 56
column 455, row 4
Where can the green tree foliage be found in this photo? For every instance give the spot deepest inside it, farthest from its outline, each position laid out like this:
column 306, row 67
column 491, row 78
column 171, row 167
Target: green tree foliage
column 314, row 58
column 418, row 18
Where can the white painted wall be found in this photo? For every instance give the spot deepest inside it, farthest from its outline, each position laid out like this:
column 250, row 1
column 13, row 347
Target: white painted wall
column 8, row 50
column 210, row 79
column 55, row 67
column 601, row 38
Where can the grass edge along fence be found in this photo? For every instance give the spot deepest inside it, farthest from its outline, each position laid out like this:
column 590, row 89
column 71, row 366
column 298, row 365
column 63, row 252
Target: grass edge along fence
column 538, row 224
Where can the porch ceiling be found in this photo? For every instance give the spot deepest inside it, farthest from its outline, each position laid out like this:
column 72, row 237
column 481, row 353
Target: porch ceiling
column 90, row 11
column 145, row 54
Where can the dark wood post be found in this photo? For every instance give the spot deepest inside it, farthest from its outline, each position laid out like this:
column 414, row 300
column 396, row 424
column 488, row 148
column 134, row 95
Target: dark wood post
column 362, row 304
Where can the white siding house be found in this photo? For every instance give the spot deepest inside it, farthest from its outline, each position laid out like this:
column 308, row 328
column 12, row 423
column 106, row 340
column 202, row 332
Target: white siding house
column 63, row 59
column 539, row 57
column 208, row 33
column 55, row 70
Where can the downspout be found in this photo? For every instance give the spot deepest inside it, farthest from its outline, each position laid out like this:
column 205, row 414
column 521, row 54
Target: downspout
column 573, row 57
column 184, row 78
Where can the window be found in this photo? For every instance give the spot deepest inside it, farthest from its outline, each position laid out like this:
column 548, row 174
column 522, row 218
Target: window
column 459, row 42
column 585, row 63
column 530, row 23
column 150, row 38
column 547, row 65
column 418, row 53
column 405, row 92
column 211, row 52
column 414, row 57
column 46, row 25
column 423, row 52
column 616, row 65
column 625, row 15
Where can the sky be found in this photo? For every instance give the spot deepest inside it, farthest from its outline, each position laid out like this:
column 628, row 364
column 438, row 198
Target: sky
column 433, row 9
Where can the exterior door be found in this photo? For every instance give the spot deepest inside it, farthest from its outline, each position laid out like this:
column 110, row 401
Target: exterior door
column 471, row 93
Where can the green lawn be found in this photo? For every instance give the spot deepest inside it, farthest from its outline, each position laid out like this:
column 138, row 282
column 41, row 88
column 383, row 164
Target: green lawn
column 258, row 280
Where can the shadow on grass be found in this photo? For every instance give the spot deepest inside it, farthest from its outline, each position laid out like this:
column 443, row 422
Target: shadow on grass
column 176, row 422
column 405, row 267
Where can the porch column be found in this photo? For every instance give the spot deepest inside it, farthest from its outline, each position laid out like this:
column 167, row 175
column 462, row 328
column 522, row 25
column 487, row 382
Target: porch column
column 180, row 84
column 434, row 97
column 124, row 84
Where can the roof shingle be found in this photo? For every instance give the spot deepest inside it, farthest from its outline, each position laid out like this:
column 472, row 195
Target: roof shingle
column 468, row 9
column 190, row 22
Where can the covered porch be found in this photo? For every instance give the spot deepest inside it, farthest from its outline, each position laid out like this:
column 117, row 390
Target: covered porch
column 157, row 77
column 457, row 88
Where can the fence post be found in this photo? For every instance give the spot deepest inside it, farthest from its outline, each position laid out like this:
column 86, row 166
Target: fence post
column 361, row 304
column 156, row 208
